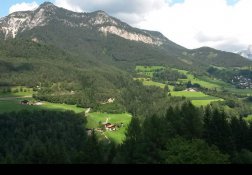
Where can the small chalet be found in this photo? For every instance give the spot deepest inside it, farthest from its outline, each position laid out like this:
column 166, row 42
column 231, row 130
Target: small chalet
column 110, row 127
column 24, row 102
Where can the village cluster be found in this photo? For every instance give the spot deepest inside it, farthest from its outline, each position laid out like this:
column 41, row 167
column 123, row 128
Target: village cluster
column 242, row 82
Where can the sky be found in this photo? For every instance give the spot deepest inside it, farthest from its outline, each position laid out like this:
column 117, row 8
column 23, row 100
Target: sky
column 221, row 24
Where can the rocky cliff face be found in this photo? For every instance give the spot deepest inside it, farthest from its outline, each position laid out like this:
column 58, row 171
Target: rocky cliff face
column 19, row 22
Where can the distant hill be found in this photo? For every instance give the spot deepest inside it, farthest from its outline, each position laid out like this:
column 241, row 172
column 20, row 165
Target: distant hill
column 210, row 56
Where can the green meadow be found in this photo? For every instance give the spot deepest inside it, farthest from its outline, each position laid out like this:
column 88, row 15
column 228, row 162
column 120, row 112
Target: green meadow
column 197, row 98
column 149, row 82
column 13, row 104
column 93, row 120
column 148, row 70
column 203, row 81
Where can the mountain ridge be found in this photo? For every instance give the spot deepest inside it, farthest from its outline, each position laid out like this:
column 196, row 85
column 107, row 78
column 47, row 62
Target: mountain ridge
column 102, row 38
column 18, row 22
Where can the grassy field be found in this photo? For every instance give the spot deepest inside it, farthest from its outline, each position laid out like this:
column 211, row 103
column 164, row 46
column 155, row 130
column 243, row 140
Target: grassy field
column 148, row 70
column 13, row 104
column 10, row 101
column 204, row 81
column 117, row 136
column 148, row 82
column 197, row 98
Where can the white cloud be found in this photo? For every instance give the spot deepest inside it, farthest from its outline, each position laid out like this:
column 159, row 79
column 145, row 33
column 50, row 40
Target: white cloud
column 23, row 7
column 131, row 11
column 197, row 23
column 193, row 23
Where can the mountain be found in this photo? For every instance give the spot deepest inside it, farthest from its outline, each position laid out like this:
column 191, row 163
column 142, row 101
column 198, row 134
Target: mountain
column 99, row 38
column 47, row 14
column 246, row 53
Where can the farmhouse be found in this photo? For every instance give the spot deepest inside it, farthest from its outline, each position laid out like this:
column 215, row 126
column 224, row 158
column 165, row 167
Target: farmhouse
column 24, row 102
column 110, row 127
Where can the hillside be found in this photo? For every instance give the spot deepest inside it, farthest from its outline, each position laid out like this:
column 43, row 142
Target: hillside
column 99, row 37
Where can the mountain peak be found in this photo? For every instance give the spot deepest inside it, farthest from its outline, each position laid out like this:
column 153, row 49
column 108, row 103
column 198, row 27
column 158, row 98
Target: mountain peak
column 46, row 4
column 98, row 20
column 100, row 12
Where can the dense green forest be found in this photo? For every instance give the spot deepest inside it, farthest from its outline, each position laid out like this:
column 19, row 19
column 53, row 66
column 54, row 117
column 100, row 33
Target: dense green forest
column 47, row 137
column 184, row 134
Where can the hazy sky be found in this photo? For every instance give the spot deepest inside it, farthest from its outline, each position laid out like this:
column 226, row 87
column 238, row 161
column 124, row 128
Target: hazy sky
column 221, row 24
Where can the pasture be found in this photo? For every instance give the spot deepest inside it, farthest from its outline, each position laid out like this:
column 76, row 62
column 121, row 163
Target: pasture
column 203, row 81
column 13, row 104
column 93, row 120
column 148, row 70
column 197, row 98
column 149, row 82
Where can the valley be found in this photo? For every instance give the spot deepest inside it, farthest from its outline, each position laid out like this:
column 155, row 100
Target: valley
column 89, row 88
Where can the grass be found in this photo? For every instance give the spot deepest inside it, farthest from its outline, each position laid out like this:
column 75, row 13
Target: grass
column 197, row 98
column 148, row 82
column 199, row 103
column 14, row 105
column 204, row 81
column 117, row 136
column 148, row 70
column 62, row 107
